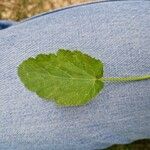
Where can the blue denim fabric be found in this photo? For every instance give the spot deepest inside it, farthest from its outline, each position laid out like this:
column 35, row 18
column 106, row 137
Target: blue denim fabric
column 116, row 32
column 5, row 24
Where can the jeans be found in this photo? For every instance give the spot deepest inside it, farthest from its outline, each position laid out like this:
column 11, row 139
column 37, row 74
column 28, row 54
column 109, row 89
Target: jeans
column 5, row 24
column 116, row 32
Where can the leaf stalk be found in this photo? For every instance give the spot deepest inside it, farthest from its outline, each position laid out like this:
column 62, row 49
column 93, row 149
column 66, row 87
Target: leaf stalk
column 125, row 79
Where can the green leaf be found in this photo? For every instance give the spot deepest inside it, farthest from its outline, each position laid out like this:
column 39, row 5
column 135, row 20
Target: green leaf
column 70, row 78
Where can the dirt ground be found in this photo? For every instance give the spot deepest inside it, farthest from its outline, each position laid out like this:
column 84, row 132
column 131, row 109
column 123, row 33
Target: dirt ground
column 20, row 9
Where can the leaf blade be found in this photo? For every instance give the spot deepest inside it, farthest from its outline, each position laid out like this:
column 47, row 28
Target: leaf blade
column 68, row 77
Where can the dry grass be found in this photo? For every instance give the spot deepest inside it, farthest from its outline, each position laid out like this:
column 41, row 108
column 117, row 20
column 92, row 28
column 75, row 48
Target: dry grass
column 20, row 9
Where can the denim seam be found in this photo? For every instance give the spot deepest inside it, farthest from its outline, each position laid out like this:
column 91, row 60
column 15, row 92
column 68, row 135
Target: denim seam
column 74, row 6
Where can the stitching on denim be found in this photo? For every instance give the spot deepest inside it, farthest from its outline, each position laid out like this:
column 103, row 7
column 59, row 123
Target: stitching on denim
column 74, row 6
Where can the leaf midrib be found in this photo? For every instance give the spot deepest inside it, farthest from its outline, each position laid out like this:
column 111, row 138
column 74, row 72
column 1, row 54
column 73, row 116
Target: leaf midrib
column 45, row 70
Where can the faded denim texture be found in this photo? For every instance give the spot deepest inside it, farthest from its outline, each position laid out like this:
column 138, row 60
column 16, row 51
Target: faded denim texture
column 116, row 32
